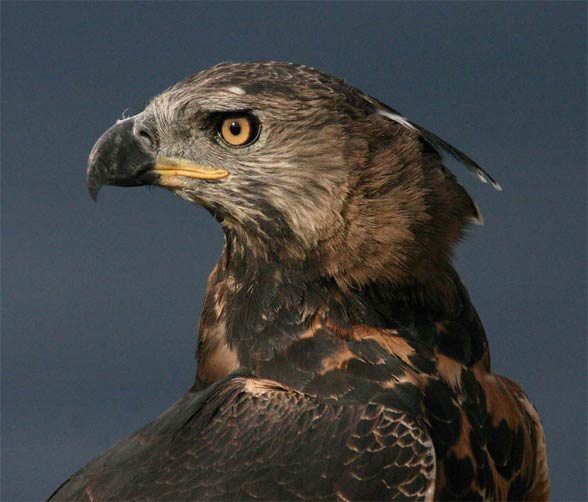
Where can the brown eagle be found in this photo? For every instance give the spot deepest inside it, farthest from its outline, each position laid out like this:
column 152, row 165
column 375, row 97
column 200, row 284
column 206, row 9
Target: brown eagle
column 339, row 355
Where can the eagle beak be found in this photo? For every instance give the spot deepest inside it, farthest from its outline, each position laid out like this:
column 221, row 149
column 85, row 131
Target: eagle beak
column 171, row 172
column 121, row 157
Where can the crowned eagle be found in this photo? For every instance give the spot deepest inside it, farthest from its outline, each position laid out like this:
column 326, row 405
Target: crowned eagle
column 339, row 355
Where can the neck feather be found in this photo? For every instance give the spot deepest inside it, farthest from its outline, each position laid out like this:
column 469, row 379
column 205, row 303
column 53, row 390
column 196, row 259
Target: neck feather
column 256, row 307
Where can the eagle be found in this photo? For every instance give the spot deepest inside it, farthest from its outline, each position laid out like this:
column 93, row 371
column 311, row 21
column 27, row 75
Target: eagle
column 339, row 355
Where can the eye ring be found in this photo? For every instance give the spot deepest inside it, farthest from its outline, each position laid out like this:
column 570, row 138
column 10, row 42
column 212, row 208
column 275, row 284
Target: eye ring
column 238, row 130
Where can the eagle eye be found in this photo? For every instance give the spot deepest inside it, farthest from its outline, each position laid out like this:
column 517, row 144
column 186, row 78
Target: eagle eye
column 238, row 130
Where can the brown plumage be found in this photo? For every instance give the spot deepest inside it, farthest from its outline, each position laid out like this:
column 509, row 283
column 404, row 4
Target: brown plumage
column 339, row 355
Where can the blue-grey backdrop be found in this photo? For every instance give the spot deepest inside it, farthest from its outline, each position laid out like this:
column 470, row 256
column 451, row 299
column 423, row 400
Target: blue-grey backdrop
column 100, row 302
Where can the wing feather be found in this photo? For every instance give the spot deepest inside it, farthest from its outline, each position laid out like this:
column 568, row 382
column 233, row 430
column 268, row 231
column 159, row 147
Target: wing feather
column 250, row 439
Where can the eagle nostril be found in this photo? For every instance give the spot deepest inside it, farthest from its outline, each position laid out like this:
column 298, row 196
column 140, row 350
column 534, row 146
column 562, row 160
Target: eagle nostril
column 146, row 138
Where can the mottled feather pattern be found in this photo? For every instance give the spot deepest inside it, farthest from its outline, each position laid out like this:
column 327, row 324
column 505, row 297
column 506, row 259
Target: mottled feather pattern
column 251, row 440
column 426, row 366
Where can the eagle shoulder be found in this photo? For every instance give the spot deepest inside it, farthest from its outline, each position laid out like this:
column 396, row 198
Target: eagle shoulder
column 251, row 438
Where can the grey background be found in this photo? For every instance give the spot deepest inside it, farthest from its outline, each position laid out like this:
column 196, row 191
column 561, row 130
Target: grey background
column 100, row 302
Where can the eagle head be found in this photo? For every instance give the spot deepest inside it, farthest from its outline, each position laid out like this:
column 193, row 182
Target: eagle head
column 298, row 167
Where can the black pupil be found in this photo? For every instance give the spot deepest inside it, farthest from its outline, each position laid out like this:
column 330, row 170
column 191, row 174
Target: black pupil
column 235, row 128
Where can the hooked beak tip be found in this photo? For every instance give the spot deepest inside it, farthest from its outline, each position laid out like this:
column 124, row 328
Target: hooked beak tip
column 93, row 189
